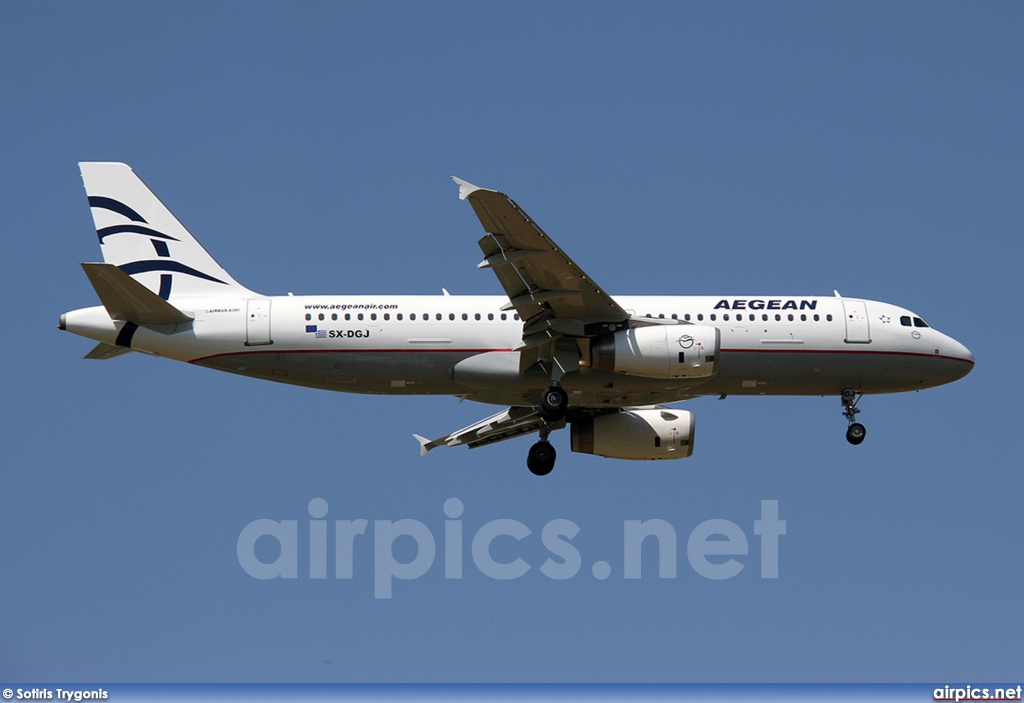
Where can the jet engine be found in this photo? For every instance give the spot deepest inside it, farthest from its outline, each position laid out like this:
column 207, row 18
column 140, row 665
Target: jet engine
column 646, row 433
column 660, row 351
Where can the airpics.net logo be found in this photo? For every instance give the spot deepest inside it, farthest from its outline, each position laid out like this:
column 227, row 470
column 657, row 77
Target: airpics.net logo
column 716, row 549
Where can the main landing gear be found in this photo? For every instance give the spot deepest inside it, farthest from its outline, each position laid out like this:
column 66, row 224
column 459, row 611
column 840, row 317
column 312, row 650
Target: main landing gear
column 541, row 458
column 553, row 404
column 856, row 432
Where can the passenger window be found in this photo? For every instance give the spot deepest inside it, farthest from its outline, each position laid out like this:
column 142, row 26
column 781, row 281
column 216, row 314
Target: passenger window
column 675, row 317
column 712, row 317
column 828, row 317
column 334, row 316
column 387, row 316
column 465, row 316
column 816, row 317
column 686, row 317
column 359, row 316
column 490, row 316
column 399, row 316
column 504, row 316
column 321, row 316
column 778, row 317
column 373, row 316
column 438, row 316
column 516, row 316
column 790, row 316
column 700, row 317
column 476, row 316
column 905, row 320
column 724, row 317
column 348, row 316
column 308, row 316
column 411, row 317
column 803, row 318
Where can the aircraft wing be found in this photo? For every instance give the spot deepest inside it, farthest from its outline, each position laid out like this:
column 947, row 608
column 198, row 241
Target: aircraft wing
column 509, row 423
column 552, row 294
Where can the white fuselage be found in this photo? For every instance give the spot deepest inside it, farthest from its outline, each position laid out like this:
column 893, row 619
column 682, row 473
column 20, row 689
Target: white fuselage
column 770, row 345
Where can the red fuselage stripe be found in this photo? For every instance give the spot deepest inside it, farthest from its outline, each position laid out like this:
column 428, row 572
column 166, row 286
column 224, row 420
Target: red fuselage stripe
column 846, row 351
column 484, row 351
column 349, row 351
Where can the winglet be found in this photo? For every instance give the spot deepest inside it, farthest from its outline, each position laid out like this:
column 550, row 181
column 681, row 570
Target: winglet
column 465, row 188
column 424, row 444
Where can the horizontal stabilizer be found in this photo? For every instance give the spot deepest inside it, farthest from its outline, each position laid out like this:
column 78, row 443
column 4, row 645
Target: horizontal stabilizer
column 106, row 351
column 127, row 299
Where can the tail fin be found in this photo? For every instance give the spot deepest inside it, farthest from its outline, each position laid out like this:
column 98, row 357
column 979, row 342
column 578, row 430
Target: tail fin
column 140, row 236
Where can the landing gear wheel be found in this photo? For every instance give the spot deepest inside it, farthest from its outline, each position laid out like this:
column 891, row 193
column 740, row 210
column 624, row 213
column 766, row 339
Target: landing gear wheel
column 855, row 433
column 541, row 459
column 553, row 403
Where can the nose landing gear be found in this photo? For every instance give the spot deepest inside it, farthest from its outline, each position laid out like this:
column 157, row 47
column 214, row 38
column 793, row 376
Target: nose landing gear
column 856, row 432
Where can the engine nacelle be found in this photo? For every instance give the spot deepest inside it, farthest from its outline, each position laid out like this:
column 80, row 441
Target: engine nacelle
column 660, row 351
column 649, row 433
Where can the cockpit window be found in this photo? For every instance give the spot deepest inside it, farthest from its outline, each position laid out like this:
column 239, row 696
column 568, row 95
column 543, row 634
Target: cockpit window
column 918, row 322
column 905, row 320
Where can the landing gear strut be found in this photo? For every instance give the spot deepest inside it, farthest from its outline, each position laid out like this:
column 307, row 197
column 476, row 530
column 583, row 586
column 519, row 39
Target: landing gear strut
column 541, row 458
column 554, row 403
column 856, row 432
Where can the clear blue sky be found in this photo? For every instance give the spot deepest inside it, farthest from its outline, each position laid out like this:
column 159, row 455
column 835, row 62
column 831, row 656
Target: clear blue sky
column 671, row 148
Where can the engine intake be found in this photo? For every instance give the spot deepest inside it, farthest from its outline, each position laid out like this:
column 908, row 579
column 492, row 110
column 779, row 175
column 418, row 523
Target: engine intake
column 660, row 351
column 648, row 433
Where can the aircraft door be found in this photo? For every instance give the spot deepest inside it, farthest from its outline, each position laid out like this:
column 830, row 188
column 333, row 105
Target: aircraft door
column 257, row 322
column 857, row 330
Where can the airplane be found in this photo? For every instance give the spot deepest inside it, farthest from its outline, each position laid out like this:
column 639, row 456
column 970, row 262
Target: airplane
column 556, row 349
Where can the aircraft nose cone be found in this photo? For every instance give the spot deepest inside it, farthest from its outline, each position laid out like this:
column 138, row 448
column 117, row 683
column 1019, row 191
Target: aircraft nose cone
column 968, row 356
column 963, row 354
